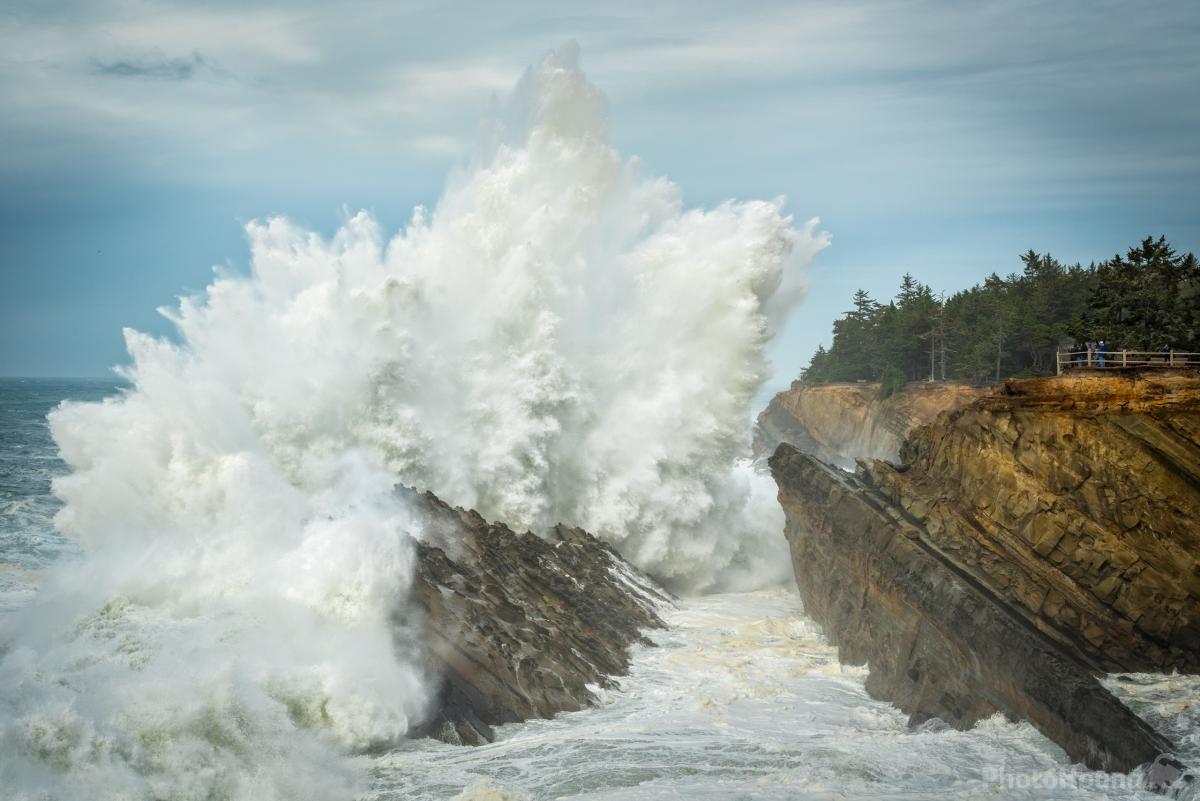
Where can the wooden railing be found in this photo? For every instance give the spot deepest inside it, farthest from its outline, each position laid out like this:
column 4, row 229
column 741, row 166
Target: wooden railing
column 1124, row 359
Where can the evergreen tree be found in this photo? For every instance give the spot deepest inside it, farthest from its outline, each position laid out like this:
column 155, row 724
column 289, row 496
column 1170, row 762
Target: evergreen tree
column 1146, row 299
column 1014, row 325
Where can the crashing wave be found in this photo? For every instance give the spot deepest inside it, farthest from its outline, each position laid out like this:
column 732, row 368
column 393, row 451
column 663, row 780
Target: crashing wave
column 558, row 341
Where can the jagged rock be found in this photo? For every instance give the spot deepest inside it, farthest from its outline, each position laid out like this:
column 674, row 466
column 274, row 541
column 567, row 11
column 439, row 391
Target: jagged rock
column 1044, row 533
column 517, row 626
column 839, row 423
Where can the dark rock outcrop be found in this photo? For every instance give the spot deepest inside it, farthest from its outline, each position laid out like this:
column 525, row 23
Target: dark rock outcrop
column 839, row 423
column 1041, row 535
column 517, row 626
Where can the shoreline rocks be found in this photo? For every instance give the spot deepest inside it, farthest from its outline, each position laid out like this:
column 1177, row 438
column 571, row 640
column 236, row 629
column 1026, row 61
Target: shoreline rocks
column 517, row 626
column 1037, row 537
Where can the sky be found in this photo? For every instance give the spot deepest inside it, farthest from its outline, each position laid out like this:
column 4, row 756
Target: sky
column 937, row 137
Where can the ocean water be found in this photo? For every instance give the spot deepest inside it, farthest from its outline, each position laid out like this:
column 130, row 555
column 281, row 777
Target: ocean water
column 28, row 463
column 740, row 698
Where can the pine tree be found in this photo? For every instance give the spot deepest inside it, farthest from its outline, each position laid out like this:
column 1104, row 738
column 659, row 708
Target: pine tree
column 1014, row 325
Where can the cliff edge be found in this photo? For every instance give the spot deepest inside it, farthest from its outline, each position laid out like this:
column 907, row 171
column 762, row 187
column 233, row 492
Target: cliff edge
column 839, row 423
column 1044, row 533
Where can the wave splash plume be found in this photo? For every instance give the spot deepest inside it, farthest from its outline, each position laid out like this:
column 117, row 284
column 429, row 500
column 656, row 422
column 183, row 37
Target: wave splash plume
column 559, row 340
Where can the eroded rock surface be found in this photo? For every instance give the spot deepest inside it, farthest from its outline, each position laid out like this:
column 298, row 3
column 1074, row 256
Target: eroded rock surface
column 1079, row 499
column 518, row 626
column 839, row 423
column 1043, row 534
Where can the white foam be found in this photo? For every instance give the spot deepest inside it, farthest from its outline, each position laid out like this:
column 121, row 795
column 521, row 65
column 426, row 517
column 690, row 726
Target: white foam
column 743, row 698
column 559, row 340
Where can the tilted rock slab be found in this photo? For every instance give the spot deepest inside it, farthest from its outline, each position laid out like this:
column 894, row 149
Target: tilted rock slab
column 938, row 642
column 1044, row 533
column 517, row 626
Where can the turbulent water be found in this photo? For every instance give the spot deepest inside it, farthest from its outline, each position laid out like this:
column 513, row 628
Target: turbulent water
column 28, row 462
column 740, row 698
column 557, row 340
column 218, row 550
column 743, row 699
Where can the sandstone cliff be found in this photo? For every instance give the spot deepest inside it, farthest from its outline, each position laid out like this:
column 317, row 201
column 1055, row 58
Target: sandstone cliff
column 518, row 626
column 1038, row 536
column 839, row 423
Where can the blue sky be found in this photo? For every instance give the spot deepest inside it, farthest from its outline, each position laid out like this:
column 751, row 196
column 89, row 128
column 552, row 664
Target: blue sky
column 931, row 136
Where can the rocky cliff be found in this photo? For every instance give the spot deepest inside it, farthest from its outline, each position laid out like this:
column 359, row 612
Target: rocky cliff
column 839, row 423
column 1043, row 534
column 517, row 626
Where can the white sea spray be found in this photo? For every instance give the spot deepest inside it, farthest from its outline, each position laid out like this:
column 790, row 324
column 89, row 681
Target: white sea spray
column 559, row 340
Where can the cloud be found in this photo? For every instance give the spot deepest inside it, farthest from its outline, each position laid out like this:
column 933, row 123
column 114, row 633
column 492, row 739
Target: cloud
column 158, row 67
column 931, row 95
column 933, row 136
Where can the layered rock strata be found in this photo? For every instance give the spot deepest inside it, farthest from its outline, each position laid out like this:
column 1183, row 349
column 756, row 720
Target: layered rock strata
column 1079, row 499
column 517, row 626
column 1041, row 535
column 839, row 423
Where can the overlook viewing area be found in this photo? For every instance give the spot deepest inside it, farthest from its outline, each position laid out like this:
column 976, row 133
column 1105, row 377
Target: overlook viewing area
column 1124, row 360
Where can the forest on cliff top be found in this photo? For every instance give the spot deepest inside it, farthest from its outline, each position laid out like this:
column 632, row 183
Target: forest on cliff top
column 1009, row 326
